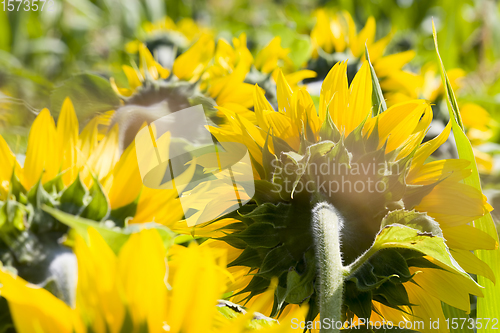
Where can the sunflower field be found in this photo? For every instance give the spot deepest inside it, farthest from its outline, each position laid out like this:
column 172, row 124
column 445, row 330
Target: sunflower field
column 237, row 166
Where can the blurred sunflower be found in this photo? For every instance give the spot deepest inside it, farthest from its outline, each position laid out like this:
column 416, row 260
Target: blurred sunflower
column 207, row 74
column 335, row 37
column 403, row 245
column 82, row 174
column 273, row 59
column 231, row 77
column 427, row 84
column 154, row 91
column 135, row 290
column 224, row 80
column 165, row 33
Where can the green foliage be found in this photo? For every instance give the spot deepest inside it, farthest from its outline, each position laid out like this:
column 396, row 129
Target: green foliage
column 489, row 306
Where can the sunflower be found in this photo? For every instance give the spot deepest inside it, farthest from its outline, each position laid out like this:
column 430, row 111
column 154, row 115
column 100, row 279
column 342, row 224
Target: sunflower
column 273, row 58
column 136, row 290
column 167, row 33
column 234, row 71
column 187, row 67
column 403, row 238
column 335, row 37
column 80, row 173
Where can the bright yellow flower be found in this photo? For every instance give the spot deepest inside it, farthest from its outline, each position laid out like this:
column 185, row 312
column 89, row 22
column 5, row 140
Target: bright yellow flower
column 344, row 124
column 180, row 34
column 62, row 150
column 189, row 66
column 225, row 78
column 335, row 36
column 132, row 290
column 273, row 58
column 404, row 86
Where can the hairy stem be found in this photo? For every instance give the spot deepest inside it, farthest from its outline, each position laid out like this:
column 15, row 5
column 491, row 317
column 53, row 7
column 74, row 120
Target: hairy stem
column 326, row 231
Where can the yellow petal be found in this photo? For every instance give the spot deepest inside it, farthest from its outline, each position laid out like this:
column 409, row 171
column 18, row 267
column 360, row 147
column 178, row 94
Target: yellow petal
column 197, row 283
column 46, row 312
column 376, row 50
column 42, row 154
column 9, row 164
column 391, row 63
column 426, row 149
column 321, row 34
column 365, row 37
column 453, row 199
column 67, row 137
column 261, row 106
column 134, row 81
column 98, row 296
column 475, row 116
column 296, row 77
column 190, row 65
column 397, row 123
column 127, row 182
column 437, row 170
column 472, row 264
column 88, row 139
column 103, row 158
column 284, row 95
column 360, row 99
column 142, row 269
column 466, row 237
column 334, row 93
column 428, row 309
column 450, row 288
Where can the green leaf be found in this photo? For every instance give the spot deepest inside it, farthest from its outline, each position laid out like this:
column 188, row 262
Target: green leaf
column 489, row 305
column 89, row 93
column 114, row 237
column 400, row 236
column 413, row 219
column 5, row 33
column 379, row 104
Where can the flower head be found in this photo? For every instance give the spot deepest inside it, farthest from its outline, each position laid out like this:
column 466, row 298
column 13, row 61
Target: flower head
column 135, row 289
column 403, row 220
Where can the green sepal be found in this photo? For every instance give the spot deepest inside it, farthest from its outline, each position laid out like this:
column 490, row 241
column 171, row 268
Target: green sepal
column 276, row 261
column 40, row 221
column 120, row 215
column 73, row 199
column 359, row 302
column 379, row 104
column 328, row 130
column 16, row 188
column 250, row 257
column 268, row 159
column 115, row 237
column 98, row 209
column 260, row 234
